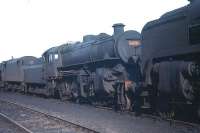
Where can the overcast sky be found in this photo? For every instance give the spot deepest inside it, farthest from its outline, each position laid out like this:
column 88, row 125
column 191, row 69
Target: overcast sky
column 29, row 27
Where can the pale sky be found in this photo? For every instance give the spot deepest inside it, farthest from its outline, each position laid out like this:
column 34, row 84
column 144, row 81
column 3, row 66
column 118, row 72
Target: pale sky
column 29, row 27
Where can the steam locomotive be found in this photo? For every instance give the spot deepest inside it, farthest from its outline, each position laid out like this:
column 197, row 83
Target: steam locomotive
column 171, row 60
column 110, row 70
column 96, row 70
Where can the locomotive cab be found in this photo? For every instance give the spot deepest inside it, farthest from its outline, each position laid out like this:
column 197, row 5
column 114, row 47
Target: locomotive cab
column 52, row 59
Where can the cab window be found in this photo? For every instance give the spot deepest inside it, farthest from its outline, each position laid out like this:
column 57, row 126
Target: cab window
column 194, row 34
column 56, row 56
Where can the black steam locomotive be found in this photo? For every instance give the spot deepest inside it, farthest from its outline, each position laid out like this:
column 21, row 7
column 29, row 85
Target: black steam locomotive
column 171, row 60
column 96, row 70
column 108, row 70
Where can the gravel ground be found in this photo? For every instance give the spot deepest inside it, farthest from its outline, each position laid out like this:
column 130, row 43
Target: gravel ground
column 100, row 120
column 7, row 127
column 37, row 122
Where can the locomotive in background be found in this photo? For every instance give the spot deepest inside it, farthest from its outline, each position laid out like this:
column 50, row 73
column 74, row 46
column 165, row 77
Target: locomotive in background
column 97, row 70
column 171, row 60
column 106, row 69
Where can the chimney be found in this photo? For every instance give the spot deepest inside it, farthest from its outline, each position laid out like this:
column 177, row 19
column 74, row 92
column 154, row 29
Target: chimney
column 118, row 28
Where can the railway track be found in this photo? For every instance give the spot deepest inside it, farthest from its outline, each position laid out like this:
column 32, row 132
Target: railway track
column 184, row 127
column 173, row 122
column 8, row 125
column 33, row 121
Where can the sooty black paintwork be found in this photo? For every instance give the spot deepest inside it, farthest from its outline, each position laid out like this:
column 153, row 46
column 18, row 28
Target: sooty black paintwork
column 171, row 57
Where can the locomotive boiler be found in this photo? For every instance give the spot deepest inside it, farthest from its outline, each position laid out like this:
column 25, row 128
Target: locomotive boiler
column 171, row 60
column 96, row 69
